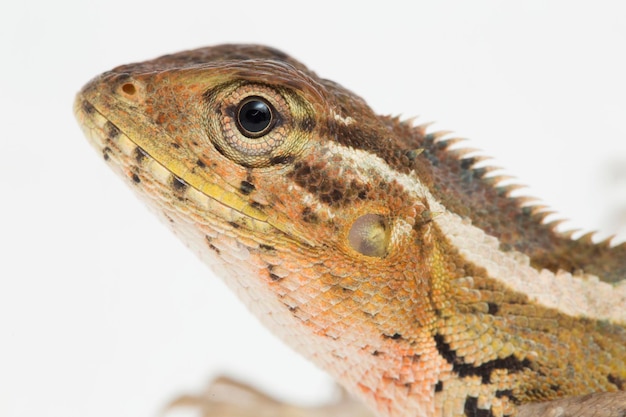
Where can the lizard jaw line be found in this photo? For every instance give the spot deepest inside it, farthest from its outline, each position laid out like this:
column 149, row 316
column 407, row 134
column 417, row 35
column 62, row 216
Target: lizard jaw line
column 209, row 195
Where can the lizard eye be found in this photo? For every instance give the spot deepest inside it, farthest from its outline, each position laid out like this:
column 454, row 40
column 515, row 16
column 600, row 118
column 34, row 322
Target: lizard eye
column 257, row 125
column 255, row 117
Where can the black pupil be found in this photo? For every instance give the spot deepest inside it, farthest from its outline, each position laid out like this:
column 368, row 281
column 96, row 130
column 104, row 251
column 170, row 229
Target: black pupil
column 255, row 116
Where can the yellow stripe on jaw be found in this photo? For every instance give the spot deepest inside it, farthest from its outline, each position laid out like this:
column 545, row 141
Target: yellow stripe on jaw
column 216, row 193
column 225, row 197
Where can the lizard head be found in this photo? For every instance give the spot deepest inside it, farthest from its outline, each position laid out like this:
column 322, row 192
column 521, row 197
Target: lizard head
column 351, row 235
column 264, row 148
column 288, row 185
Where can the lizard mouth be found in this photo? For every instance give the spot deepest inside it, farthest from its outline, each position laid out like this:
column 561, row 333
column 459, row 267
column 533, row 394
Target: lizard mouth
column 177, row 186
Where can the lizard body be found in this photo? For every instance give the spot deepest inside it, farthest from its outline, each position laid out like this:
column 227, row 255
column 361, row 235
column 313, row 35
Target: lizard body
column 378, row 250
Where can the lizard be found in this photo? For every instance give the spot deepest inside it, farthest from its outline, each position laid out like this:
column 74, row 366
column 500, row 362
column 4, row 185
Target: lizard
column 386, row 254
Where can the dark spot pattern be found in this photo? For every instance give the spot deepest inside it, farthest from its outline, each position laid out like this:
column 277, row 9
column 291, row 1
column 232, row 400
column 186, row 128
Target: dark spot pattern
column 112, row 131
column 178, row 184
column 617, row 381
column 87, row 107
column 508, row 394
column 471, row 409
column 335, row 192
column 395, row 336
column 211, row 245
column 246, row 187
column 308, row 216
column 105, row 153
column 273, row 276
column 510, row 363
column 493, row 308
column 140, row 155
column 281, row 160
column 555, row 388
column 256, row 205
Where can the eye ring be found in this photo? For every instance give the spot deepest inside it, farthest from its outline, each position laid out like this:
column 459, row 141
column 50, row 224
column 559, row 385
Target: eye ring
column 255, row 117
column 271, row 138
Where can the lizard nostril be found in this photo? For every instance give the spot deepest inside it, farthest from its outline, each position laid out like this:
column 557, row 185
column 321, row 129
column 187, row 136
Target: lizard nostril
column 129, row 89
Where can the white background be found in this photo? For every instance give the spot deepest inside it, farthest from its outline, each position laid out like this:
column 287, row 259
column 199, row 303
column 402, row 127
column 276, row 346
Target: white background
column 103, row 313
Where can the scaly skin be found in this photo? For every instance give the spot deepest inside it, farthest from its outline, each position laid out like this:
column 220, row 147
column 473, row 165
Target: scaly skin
column 368, row 245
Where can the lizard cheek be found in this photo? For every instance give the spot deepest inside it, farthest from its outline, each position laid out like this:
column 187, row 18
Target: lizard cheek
column 369, row 235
